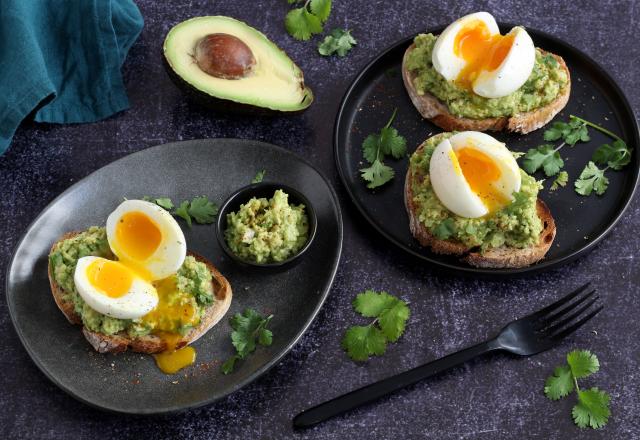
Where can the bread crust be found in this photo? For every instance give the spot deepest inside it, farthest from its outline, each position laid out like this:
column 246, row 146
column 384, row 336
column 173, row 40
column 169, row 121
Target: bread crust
column 150, row 343
column 502, row 257
column 437, row 112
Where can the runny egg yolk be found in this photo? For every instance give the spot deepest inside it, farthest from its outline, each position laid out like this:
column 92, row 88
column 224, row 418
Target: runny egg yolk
column 481, row 172
column 137, row 235
column 481, row 51
column 168, row 316
column 111, row 278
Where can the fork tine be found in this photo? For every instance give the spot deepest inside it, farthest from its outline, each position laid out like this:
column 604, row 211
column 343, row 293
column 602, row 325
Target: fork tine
column 557, row 326
column 561, row 301
column 549, row 319
column 577, row 325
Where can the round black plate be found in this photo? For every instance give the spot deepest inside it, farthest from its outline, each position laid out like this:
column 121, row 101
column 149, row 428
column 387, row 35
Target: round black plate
column 130, row 382
column 581, row 221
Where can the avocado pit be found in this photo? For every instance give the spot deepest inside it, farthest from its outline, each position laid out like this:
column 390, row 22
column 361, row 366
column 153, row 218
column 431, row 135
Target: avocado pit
column 224, row 56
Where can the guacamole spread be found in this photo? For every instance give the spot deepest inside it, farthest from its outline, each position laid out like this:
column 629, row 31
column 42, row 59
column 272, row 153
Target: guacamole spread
column 516, row 225
column 267, row 231
column 183, row 297
column 546, row 81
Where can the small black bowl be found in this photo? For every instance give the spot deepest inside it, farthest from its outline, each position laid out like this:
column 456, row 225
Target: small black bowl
column 264, row 190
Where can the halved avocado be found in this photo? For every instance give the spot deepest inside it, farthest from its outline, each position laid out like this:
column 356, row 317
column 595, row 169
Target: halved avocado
column 225, row 63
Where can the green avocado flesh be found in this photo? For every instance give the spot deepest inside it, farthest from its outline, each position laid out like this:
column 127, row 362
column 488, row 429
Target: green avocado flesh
column 267, row 231
column 274, row 81
column 547, row 80
column 516, row 225
column 192, row 287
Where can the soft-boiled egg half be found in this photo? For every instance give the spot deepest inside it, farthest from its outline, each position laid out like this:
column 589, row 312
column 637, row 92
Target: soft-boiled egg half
column 472, row 53
column 473, row 174
column 149, row 245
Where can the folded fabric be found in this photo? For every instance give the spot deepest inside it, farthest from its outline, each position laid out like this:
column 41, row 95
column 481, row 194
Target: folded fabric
column 63, row 58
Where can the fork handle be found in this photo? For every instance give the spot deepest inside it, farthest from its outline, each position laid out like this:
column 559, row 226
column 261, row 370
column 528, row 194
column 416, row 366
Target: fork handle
column 371, row 392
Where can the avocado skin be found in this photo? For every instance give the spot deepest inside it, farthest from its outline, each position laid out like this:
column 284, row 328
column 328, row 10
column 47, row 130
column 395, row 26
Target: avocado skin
column 217, row 104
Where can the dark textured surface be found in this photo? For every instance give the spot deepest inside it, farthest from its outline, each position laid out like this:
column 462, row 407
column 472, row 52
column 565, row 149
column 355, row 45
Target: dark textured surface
column 494, row 398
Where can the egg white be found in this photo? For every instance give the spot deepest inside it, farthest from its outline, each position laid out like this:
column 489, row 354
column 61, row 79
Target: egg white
column 450, row 185
column 512, row 73
column 170, row 253
column 514, row 70
column 139, row 300
column 443, row 57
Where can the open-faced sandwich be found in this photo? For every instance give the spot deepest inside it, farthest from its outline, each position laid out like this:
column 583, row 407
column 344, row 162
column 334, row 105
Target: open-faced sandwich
column 471, row 77
column 466, row 196
column 133, row 285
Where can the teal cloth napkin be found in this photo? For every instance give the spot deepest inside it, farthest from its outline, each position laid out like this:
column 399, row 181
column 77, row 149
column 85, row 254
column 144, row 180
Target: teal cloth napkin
column 63, row 57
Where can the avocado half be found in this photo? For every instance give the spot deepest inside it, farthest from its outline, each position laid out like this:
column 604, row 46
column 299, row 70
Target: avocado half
column 272, row 83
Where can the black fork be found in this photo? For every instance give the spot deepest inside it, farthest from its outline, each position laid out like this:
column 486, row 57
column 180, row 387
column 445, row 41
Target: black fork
column 526, row 336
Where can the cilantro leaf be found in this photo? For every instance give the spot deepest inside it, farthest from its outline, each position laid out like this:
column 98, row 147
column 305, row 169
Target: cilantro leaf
column 445, row 229
column 370, row 147
column 228, row 365
column 340, row 42
column 375, row 147
column 615, row 156
column 259, row 176
column 391, row 315
column 377, row 174
column 321, row 8
column 301, row 24
column 592, row 408
column 591, row 179
column 392, row 143
column 183, row 212
column 164, row 202
column 360, row 342
column 570, row 133
column 545, row 157
column 560, row 384
column 249, row 328
column 561, row 180
column 582, row 363
column 371, row 304
column 392, row 321
column 203, row 210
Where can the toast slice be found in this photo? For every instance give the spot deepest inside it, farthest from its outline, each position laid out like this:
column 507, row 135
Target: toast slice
column 502, row 257
column 150, row 343
column 437, row 112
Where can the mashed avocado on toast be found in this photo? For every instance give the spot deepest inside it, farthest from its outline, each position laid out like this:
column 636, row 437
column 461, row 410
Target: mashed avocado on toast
column 267, row 230
column 516, row 225
column 546, row 82
column 184, row 296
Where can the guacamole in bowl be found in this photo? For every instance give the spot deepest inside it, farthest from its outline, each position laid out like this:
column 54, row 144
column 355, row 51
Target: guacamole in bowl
column 266, row 224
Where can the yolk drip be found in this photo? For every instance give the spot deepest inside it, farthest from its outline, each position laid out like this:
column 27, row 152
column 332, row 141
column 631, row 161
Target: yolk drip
column 171, row 360
column 170, row 314
column 110, row 277
column 137, row 235
column 481, row 172
column 481, row 51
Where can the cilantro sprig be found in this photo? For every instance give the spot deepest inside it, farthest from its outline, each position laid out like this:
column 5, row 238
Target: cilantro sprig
column 303, row 22
column 374, row 149
column 339, row 41
column 199, row 209
column 249, row 330
column 390, row 315
column 592, row 409
column 592, row 178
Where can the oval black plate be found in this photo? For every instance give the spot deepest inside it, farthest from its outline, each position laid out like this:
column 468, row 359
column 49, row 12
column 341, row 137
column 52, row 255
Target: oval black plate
column 581, row 221
column 130, row 382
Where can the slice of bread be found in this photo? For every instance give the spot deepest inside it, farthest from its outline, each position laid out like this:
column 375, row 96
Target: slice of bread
column 437, row 112
column 150, row 343
column 502, row 257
